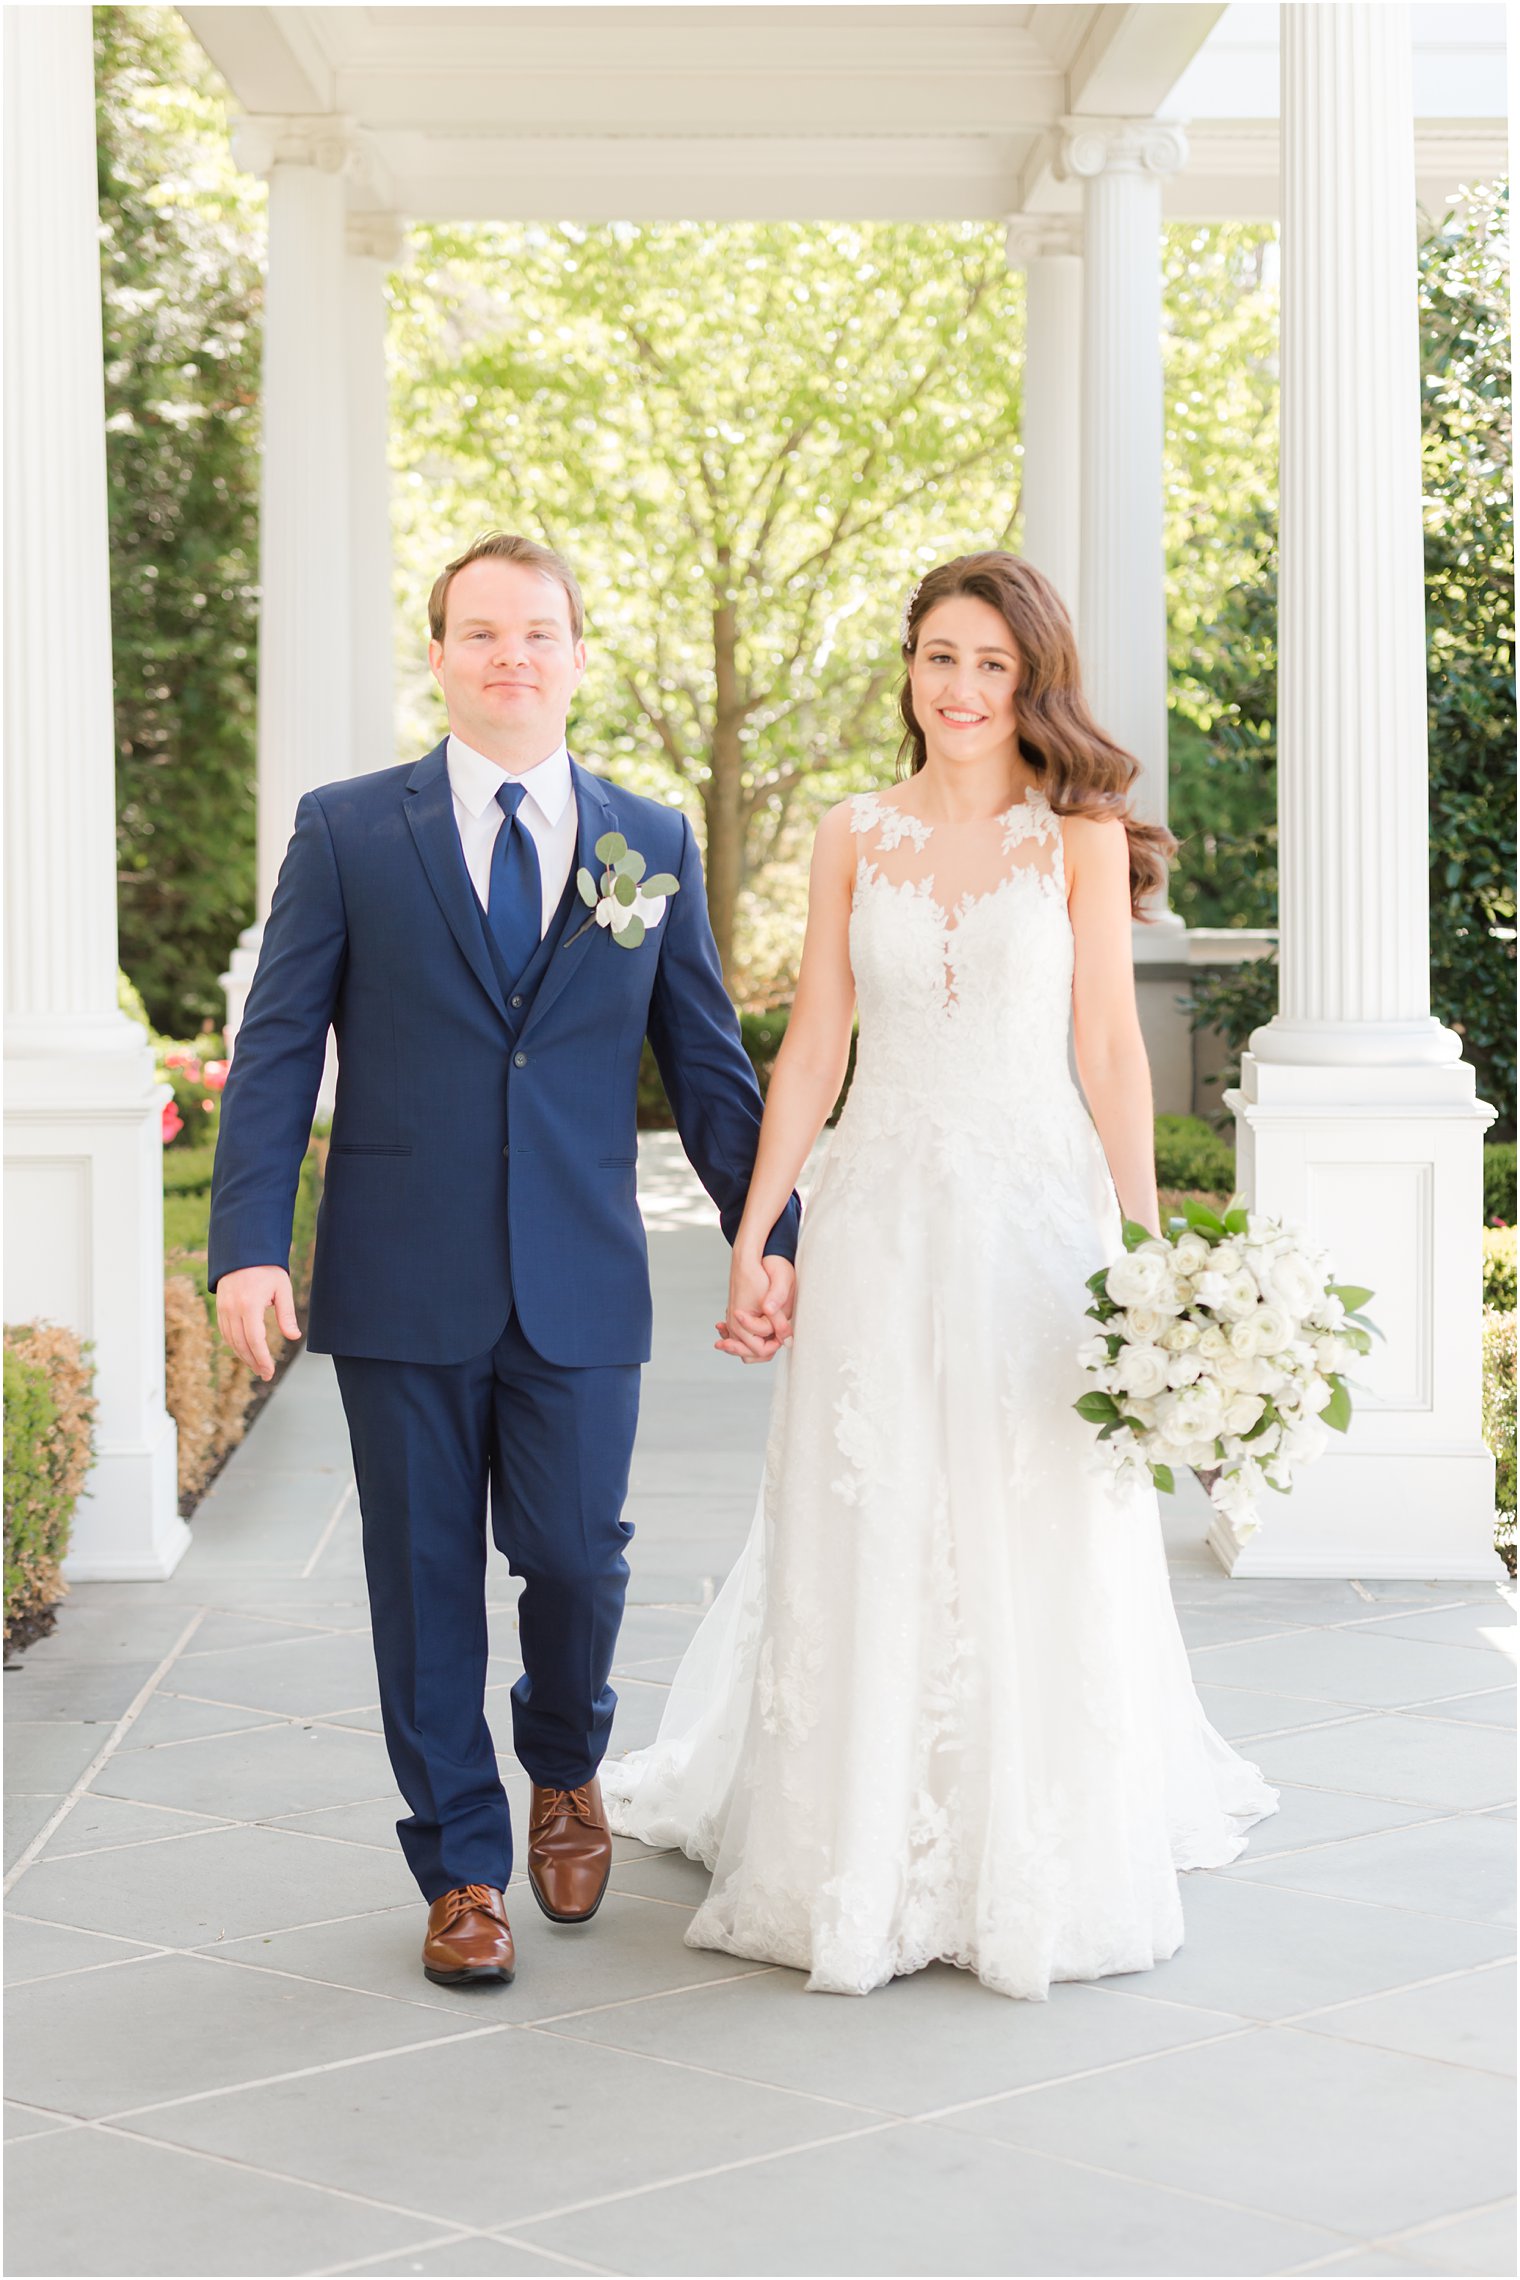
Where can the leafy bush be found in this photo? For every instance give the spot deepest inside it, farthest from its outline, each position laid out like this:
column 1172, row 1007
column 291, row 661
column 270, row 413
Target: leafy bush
column 49, row 1448
column 208, row 1392
column 1499, row 1269
column 1499, row 1183
column 1499, row 1425
column 1189, row 1154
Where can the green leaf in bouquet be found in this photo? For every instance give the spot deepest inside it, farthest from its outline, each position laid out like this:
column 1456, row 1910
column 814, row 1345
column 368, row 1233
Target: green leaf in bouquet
column 1237, row 1221
column 630, row 936
column 1200, row 1216
column 585, row 887
column 611, row 846
column 1358, row 1338
column 632, row 865
column 1267, row 1417
column 1351, row 1295
column 1135, row 1235
column 1337, row 1412
column 1097, row 1281
column 626, row 892
column 663, row 883
column 1162, row 1476
column 1097, row 1406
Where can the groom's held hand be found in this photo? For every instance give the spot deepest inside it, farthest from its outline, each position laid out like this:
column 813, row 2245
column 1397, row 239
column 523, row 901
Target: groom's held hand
column 759, row 1319
column 243, row 1297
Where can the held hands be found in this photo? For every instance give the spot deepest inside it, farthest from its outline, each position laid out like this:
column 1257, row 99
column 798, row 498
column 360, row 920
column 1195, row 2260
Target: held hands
column 759, row 1319
column 242, row 1299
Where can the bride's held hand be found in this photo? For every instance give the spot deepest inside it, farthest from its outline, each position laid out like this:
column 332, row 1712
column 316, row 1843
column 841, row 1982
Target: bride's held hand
column 759, row 1318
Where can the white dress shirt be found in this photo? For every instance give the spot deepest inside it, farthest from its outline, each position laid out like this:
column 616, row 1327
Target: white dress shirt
column 548, row 811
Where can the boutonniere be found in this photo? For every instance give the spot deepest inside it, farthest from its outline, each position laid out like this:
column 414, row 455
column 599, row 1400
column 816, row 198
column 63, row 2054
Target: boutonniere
column 624, row 900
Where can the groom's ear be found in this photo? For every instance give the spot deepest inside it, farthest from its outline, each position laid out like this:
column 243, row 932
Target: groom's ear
column 435, row 659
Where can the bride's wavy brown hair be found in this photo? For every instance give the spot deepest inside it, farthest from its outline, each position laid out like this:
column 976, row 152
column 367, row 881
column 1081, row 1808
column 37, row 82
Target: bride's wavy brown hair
column 1081, row 770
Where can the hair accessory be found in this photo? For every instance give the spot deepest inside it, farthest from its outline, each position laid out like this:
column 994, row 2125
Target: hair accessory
column 908, row 611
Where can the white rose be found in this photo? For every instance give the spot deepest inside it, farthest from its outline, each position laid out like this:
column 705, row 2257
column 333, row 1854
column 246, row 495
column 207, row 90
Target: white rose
column 1304, row 1441
column 1241, row 1296
column 1183, row 1369
column 1177, row 1337
column 1292, row 1282
column 1143, row 1411
column 1141, row 1278
column 1209, row 1288
column 1144, row 1324
column 1194, row 1414
column 1245, row 1334
column 1213, row 1343
column 1242, row 1411
column 1191, row 1252
column 1226, row 1258
column 1141, row 1369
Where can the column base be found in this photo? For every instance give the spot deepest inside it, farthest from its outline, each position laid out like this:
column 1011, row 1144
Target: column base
column 127, row 1527
column 84, row 1190
column 1420, row 1513
column 1381, row 1164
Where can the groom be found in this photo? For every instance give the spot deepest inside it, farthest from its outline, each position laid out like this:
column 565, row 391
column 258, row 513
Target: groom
column 481, row 1276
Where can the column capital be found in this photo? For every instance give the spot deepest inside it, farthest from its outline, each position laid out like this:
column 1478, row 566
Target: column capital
column 1030, row 235
column 376, row 237
column 1120, row 146
column 327, row 140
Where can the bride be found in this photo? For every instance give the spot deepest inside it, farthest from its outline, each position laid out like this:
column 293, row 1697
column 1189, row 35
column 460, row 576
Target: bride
column 941, row 1708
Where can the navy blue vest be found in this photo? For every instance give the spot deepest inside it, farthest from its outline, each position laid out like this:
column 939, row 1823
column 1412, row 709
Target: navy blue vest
column 519, row 990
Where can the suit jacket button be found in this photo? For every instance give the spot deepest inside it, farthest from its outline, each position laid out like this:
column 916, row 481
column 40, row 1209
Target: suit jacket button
column 517, row 1001
column 519, row 1060
column 506, row 1151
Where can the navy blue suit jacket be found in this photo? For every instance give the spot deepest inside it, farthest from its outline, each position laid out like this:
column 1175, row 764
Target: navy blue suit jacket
column 482, row 1157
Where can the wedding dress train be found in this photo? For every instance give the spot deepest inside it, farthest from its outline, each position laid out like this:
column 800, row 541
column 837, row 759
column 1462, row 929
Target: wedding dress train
column 941, row 1707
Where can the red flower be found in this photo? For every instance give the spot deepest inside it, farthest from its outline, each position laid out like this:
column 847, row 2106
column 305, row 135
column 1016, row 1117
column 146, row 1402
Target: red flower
column 214, row 1074
column 173, row 1121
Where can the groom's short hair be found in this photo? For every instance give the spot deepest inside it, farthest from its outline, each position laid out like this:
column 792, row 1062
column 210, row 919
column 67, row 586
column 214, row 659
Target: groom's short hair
column 507, row 546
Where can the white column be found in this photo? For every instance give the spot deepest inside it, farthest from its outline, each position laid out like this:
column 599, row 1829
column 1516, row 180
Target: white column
column 374, row 246
column 1047, row 248
column 83, row 1112
column 305, row 693
column 1356, row 1117
column 1122, row 608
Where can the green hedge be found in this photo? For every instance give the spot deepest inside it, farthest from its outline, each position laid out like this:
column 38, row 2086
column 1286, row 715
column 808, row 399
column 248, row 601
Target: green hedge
column 1499, row 1183
column 49, row 1447
column 1499, row 1269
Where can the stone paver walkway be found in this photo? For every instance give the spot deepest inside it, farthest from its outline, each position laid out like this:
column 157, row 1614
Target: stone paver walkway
column 223, row 2058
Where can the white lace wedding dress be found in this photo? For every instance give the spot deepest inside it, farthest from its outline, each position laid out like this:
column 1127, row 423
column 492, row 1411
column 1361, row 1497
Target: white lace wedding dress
column 941, row 1707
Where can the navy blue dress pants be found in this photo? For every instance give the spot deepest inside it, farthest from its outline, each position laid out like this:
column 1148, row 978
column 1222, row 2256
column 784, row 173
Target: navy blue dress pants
column 546, row 1450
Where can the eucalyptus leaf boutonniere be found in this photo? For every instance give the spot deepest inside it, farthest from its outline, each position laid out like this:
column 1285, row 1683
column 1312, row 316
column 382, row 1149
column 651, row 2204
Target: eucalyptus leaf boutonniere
column 625, row 900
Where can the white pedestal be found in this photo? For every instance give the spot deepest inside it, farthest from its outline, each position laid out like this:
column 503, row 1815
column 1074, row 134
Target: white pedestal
column 84, row 1213
column 1383, row 1166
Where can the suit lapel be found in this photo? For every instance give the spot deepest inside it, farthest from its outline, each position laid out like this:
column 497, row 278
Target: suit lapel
column 430, row 813
column 596, row 815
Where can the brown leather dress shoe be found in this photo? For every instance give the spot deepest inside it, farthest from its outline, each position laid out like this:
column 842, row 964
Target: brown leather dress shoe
column 569, row 1851
column 468, row 1937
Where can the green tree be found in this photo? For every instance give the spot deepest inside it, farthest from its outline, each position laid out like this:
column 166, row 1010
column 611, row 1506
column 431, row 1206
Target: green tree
column 750, row 441
column 181, row 254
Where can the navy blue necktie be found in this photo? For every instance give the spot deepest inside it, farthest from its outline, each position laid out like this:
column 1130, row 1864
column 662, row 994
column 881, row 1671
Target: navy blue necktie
column 514, row 895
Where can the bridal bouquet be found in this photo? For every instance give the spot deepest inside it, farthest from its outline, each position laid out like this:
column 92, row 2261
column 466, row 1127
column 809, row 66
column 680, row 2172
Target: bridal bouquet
column 1222, row 1345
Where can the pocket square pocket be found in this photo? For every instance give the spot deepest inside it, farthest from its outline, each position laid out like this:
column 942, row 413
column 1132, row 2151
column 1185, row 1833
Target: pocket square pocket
column 366, row 1148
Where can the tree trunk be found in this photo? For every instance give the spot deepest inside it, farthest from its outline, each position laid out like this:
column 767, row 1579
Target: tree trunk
column 722, row 800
